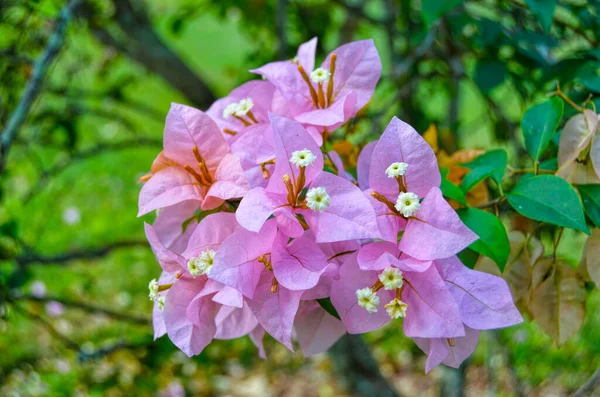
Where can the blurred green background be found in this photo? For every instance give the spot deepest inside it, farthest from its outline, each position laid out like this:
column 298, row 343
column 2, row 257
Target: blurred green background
column 71, row 245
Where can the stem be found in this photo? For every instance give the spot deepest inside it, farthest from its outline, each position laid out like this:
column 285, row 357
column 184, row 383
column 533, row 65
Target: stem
column 589, row 386
column 562, row 229
column 565, row 98
column 357, row 369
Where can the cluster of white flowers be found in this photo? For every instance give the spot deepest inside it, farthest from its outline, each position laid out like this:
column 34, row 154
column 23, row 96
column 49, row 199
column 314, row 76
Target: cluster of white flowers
column 320, row 75
column 317, row 199
column 302, row 158
column 239, row 109
column 199, row 265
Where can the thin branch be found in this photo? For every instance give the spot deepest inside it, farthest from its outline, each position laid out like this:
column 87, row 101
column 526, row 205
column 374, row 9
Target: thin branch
column 29, row 257
column 34, row 86
column 87, row 307
column 590, row 386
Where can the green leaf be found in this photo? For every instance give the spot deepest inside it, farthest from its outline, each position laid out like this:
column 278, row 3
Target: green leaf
column 590, row 195
column 592, row 83
column 491, row 164
column 468, row 257
column 539, row 123
column 328, row 306
column 493, row 240
column 543, row 10
column 432, row 10
column 550, row 199
column 489, row 74
column 450, row 190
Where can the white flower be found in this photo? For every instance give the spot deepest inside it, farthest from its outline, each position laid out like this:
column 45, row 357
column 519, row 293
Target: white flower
column 317, row 199
column 396, row 308
column 407, row 204
column 396, row 169
column 153, row 288
column 199, row 265
column 231, row 109
column 302, row 158
column 320, row 75
column 367, row 299
column 160, row 300
column 391, row 278
column 244, row 106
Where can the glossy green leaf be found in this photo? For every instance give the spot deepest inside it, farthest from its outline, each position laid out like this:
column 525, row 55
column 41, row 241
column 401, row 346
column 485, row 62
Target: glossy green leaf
column 468, row 257
column 590, row 195
column 543, row 10
column 450, row 190
column 493, row 240
column 550, row 199
column 326, row 304
column 539, row 124
column 432, row 10
column 491, row 164
column 489, row 74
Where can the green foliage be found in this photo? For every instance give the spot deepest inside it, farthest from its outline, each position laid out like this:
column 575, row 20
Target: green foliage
column 432, row 10
column 450, row 190
column 590, row 195
column 548, row 198
column 543, row 10
column 489, row 74
column 539, row 123
column 493, row 240
column 489, row 165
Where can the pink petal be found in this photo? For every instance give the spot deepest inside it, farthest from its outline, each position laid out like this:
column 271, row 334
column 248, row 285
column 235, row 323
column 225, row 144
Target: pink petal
column 317, row 330
column 235, row 263
column 256, row 207
column 323, row 287
column 364, row 164
column 298, row 265
column 436, row 231
column 254, row 146
column 290, row 136
column 343, row 297
column 158, row 322
column 169, row 225
column 190, row 334
column 439, row 351
column 358, row 69
column 337, row 252
column 256, row 336
column 210, row 233
column 229, row 297
column 233, row 323
column 166, row 188
column 230, row 183
column 577, row 134
column 369, row 256
column 275, row 311
column 388, row 223
column 401, row 143
column 484, row 300
column 187, row 127
column 349, row 216
column 260, row 91
column 306, row 54
column 286, row 77
column 432, row 311
column 169, row 261
column 338, row 113
column 288, row 223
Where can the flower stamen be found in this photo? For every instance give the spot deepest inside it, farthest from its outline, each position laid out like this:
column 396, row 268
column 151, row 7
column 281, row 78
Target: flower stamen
column 332, row 61
column 313, row 93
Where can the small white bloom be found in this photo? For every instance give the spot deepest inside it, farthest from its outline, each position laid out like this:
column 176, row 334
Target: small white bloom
column 244, row 106
column 396, row 308
column 199, row 265
column 367, row 299
column 153, row 288
column 317, row 199
column 407, row 204
column 396, row 169
column 231, row 109
column 302, row 158
column 320, row 75
column 160, row 300
column 391, row 278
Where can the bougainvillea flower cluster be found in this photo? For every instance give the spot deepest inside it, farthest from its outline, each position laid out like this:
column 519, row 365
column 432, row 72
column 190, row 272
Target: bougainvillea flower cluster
column 255, row 235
